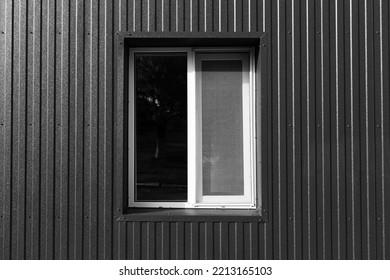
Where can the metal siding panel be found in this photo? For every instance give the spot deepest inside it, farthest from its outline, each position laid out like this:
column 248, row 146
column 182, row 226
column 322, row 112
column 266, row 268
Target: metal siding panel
column 30, row 174
column 290, row 116
column 355, row 132
column 122, row 6
column 76, row 121
column 255, row 237
column 137, row 239
column 216, row 16
column 311, row 132
column 151, row 245
column 196, row 15
column 87, row 111
column 3, row 54
column 94, row 128
column 347, row 50
column 320, row 141
column 108, row 102
column 280, row 117
column 28, row 132
column 195, row 240
column 166, row 16
column 216, row 240
column 172, row 241
column 385, row 29
column 339, row 168
column 209, row 253
column 7, row 132
column 231, row 243
column 341, row 193
column 202, row 20
column 240, row 15
column 184, row 16
column 104, row 226
column 209, row 16
column 333, row 128
column 153, row 16
column 145, row 15
column 144, row 235
column 245, row 15
column 247, row 244
column 379, row 123
column 305, row 130
column 224, row 16
column 165, row 240
column 295, row 129
column 65, row 78
column 224, row 239
column 131, row 238
column 173, row 24
column 19, row 127
column 130, row 14
column 327, row 189
column 188, row 245
column 230, row 19
column 367, row 131
column 138, row 15
column 328, row 170
column 58, row 130
column 158, row 228
column 159, row 16
column 48, row 127
column 180, row 241
column 119, row 229
column 298, row 132
column 36, row 124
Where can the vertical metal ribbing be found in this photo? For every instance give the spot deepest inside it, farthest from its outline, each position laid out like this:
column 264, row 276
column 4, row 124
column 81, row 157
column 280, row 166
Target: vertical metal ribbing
column 190, row 16
column 205, row 15
column 249, row 16
column 47, row 73
column 352, row 126
column 337, row 131
column 135, row 12
column 293, row 126
column 264, row 16
column 176, row 16
column 219, row 16
column 383, row 214
column 148, row 15
column 120, row 14
column 6, row 127
column 278, row 134
column 322, row 133
column 308, row 127
column 367, row 127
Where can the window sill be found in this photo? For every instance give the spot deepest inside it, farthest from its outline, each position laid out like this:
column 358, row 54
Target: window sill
column 191, row 215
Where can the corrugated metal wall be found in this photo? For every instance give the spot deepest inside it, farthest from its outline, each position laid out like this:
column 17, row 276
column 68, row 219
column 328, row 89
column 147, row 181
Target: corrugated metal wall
column 328, row 158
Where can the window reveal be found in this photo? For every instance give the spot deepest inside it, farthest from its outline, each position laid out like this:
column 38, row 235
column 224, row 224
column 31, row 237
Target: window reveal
column 191, row 128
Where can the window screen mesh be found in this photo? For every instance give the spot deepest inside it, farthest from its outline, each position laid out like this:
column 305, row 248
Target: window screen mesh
column 222, row 128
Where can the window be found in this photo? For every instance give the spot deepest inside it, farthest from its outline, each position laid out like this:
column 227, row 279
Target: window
column 191, row 128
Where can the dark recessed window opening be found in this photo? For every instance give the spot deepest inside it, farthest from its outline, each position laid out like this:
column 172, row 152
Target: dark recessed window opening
column 161, row 126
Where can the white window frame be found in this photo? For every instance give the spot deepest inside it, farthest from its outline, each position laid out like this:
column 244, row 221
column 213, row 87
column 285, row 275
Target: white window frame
column 195, row 198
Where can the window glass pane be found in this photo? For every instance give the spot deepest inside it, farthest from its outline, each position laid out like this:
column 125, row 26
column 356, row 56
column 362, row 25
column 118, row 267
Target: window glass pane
column 161, row 126
column 222, row 127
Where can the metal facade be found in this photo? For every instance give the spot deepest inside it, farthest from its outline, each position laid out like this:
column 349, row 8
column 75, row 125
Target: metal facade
column 328, row 152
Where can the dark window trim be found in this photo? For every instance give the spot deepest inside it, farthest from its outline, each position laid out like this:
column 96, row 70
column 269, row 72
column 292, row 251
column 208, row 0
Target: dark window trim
column 124, row 41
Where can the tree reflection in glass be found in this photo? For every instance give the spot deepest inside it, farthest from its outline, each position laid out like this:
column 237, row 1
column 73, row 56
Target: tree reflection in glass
column 161, row 126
